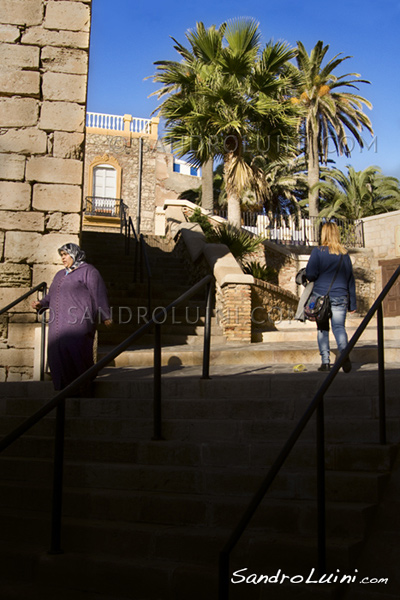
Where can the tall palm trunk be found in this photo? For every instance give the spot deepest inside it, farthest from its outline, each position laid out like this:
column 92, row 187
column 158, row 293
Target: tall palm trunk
column 234, row 214
column 313, row 173
column 207, row 188
column 232, row 194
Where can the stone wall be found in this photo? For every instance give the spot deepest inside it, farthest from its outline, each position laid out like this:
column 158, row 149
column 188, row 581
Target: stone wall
column 126, row 152
column 43, row 81
column 382, row 236
column 270, row 304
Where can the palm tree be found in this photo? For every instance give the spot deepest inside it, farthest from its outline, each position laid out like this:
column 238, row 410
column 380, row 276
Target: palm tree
column 180, row 82
column 283, row 186
column 359, row 193
column 329, row 113
column 228, row 99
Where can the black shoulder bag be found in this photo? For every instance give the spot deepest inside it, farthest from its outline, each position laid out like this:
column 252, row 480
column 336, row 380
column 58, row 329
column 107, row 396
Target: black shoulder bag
column 318, row 308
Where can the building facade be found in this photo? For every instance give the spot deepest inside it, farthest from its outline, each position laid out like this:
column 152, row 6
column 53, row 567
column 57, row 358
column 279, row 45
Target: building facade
column 127, row 167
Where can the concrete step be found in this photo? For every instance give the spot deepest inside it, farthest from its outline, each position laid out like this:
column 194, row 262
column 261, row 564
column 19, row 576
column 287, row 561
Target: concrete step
column 214, row 420
column 197, row 546
column 112, row 338
column 364, row 487
column 297, row 517
column 277, row 353
column 342, row 457
column 151, row 581
column 292, row 331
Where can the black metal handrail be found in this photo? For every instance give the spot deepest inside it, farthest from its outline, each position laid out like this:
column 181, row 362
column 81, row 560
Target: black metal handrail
column 141, row 257
column 58, row 401
column 40, row 287
column 317, row 406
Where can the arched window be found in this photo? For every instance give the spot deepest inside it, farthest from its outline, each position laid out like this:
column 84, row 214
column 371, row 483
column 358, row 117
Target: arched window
column 104, row 187
column 105, row 182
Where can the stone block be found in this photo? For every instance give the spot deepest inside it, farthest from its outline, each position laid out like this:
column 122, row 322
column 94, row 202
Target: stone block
column 21, row 12
column 2, row 374
column 16, row 357
column 54, row 221
column 14, row 275
column 54, row 170
column 71, row 224
column 14, row 56
column 20, row 83
column 45, row 273
column 67, row 15
column 47, row 37
column 14, row 196
column 68, row 145
column 12, row 166
column 64, row 87
column 24, row 373
column 19, row 112
column 64, row 198
column 24, row 141
column 64, row 60
column 21, row 335
column 62, row 116
column 29, row 247
column 22, row 221
column 9, row 34
column 8, row 295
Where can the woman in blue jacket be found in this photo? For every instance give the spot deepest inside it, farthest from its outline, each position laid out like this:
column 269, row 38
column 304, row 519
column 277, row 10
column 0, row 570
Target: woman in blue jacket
column 321, row 269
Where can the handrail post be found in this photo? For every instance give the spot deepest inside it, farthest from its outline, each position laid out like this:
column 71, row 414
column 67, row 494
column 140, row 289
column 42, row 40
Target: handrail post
column 135, row 261
column 207, row 333
column 43, row 340
column 321, row 509
column 381, row 375
column 157, row 384
column 56, row 515
column 223, row 579
column 141, row 258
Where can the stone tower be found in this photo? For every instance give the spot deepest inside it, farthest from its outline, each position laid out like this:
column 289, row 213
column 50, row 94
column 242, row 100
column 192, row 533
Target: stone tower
column 44, row 48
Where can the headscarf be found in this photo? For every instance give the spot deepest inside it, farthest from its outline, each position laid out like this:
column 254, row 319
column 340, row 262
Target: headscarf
column 78, row 255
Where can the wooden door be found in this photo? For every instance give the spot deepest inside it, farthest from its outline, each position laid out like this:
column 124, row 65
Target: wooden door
column 391, row 304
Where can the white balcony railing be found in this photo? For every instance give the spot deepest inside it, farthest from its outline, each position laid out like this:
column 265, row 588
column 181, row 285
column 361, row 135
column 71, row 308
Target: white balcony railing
column 102, row 121
column 116, row 123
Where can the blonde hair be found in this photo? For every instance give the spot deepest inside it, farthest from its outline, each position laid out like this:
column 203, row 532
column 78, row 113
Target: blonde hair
column 330, row 236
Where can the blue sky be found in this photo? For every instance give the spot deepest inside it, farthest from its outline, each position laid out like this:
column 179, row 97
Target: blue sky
column 128, row 36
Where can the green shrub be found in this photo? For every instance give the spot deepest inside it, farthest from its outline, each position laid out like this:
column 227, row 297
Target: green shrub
column 262, row 272
column 239, row 242
column 203, row 221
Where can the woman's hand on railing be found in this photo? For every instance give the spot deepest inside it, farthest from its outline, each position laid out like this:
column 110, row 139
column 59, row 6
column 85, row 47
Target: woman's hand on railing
column 36, row 305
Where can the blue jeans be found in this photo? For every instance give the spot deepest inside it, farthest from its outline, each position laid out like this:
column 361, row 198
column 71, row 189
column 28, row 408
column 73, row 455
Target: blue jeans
column 339, row 306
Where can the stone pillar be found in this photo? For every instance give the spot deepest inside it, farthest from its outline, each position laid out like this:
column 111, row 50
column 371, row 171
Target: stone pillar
column 43, row 80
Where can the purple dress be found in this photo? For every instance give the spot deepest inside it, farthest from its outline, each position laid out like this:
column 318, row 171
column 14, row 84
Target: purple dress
column 77, row 301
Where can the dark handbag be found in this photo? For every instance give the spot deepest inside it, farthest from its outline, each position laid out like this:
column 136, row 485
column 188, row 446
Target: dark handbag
column 318, row 308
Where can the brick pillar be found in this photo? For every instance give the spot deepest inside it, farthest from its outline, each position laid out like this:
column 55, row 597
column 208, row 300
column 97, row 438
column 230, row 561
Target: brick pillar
column 234, row 311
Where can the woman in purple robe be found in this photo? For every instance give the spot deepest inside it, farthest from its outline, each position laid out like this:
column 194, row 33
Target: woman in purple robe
column 77, row 300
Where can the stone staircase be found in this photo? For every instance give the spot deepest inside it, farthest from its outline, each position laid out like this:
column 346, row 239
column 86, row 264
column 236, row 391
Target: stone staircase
column 145, row 520
column 128, row 298
column 290, row 343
